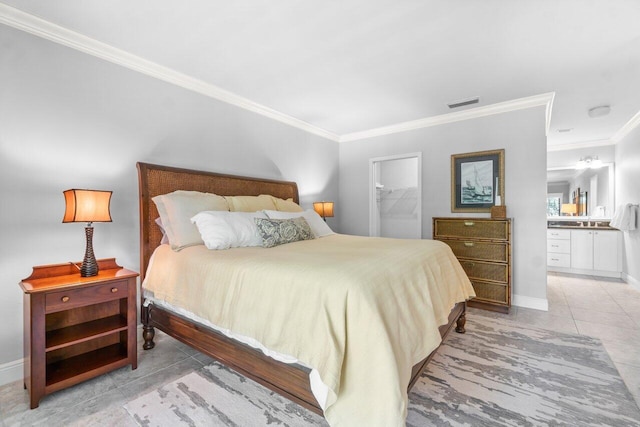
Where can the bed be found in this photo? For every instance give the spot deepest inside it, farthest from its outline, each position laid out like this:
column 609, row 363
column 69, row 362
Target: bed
column 291, row 380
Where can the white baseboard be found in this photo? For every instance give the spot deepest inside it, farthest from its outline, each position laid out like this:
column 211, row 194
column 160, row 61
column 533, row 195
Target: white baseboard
column 635, row 283
column 531, row 302
column 11, row 371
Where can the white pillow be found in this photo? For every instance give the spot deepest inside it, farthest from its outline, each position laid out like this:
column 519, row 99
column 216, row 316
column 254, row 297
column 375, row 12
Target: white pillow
column 165, row 238
column 224, row 230
column 315, row 221
column 176, row 210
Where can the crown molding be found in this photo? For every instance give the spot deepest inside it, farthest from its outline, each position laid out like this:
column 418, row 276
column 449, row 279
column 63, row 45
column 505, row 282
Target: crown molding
column 545, row 99
column 31, row 24
column 627, row 128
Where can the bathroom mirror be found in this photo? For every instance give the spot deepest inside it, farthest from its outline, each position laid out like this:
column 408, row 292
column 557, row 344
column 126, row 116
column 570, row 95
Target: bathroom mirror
column 591, row 190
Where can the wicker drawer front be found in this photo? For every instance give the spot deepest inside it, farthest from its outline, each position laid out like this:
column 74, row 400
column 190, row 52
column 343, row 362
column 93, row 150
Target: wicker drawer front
column 491, row 292
column 472, row 228
column 487, row 251
column 486, row 271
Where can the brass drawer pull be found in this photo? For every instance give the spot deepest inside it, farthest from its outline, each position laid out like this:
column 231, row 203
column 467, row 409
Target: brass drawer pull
column 65, row 299
column 470, row 264
column 469, row 223
column 114, row 290
column 469, row 244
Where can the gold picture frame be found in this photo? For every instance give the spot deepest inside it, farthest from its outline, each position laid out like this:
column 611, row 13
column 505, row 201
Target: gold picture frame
column 476, row 179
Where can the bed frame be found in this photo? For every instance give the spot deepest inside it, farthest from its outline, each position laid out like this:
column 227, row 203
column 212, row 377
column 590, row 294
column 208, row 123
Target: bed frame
column 289, row 380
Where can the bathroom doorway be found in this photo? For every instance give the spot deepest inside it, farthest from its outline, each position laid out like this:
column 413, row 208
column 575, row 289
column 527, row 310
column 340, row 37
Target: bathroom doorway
column 395, row 196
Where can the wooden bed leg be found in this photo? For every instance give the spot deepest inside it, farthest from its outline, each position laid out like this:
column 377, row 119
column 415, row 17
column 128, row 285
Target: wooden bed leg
column 148, row 332
column 460, row 323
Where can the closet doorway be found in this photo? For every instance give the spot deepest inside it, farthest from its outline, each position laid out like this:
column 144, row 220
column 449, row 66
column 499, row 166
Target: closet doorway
column 395, row 196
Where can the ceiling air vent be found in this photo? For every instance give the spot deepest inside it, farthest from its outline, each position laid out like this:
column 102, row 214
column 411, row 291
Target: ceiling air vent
column 464, row 102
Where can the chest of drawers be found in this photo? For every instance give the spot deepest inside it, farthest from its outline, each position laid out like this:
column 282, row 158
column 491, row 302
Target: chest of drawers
column 483, row 247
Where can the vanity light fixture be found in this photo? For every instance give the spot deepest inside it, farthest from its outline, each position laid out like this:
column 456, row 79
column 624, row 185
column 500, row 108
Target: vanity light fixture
column 589, row 163
column 87, row 206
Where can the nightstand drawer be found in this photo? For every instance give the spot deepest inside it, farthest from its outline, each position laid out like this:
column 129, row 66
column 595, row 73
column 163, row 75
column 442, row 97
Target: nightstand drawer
column 65, row 300
column 487, row 251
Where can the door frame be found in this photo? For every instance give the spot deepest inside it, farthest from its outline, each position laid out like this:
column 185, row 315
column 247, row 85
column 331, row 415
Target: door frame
column 373, row 217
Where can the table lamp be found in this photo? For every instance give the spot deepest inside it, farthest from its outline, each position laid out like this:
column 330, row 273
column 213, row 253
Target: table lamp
column 569, row 209
column 87, row 206
column 324, row 209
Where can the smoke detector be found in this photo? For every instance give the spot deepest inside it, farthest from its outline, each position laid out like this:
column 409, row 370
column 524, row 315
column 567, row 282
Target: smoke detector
column 599, row 111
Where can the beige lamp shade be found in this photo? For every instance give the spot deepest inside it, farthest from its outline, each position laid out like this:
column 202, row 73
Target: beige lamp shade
column 324, row 209
column 87, row 206
column 569, row 208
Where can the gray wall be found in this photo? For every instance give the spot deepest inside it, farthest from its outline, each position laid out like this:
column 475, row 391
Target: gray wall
column 69, row 120
column 628, row 191
column 520, row 133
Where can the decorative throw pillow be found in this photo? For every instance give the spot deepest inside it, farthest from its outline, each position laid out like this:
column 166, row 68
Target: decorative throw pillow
column 315, row 221
column 276, row 232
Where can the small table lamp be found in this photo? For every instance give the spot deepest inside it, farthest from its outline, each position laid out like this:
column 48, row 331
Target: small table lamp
column 324, row 209
column 569, row 208
column 87, row 206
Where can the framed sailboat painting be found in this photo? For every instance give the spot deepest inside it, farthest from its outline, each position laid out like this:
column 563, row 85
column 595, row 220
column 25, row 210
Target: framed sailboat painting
column 477, row 181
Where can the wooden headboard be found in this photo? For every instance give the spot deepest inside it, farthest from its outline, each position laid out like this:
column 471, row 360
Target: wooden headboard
column 154, row 180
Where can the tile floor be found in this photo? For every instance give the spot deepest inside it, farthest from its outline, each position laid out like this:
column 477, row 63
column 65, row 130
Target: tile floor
column 603, row 308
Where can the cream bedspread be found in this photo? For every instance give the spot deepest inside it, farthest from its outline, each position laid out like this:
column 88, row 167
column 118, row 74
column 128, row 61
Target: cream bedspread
column 360, row 310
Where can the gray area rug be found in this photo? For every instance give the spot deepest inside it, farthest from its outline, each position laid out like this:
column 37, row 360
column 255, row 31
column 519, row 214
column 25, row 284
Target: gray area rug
column 497, row 374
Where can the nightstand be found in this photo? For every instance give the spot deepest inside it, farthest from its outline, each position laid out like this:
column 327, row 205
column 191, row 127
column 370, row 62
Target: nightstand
column 76, row 328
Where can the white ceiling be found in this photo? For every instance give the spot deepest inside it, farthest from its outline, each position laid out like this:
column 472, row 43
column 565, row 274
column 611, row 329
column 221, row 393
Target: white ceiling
column 353, row 65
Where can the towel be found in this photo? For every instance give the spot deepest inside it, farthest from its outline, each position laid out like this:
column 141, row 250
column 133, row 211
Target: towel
column 624, row 218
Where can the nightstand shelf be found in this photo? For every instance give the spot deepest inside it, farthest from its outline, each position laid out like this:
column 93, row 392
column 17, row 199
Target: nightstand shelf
column 64, row 337
column 67, row 372
column 76, row 328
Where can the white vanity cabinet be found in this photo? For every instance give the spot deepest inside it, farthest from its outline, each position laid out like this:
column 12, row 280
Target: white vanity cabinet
column 596, row 252
column 592, row 251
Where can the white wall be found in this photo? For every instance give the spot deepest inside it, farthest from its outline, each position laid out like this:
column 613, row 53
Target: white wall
column 520, row 133
column 69, row 120
column 628, row 191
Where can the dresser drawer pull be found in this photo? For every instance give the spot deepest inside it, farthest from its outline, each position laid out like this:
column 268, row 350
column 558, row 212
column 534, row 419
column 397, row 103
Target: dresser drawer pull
column 114, row 290
column 470, row 264
column 554, row 246
column 469, row 223
column 65, row 298
column 469, row 244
